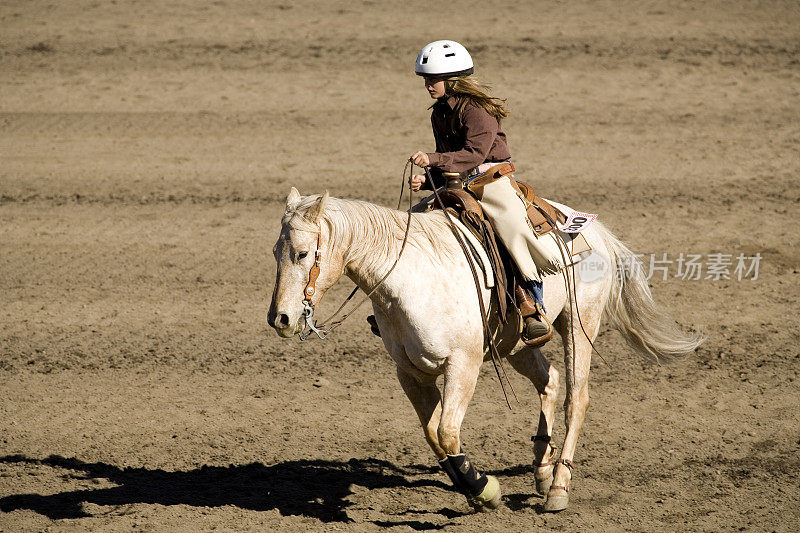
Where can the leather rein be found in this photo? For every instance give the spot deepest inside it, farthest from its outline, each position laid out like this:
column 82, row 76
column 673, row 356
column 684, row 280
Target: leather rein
column 497, row 361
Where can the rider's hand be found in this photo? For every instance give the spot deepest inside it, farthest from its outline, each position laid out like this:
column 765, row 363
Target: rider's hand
column 416, row 181
column 421, row 159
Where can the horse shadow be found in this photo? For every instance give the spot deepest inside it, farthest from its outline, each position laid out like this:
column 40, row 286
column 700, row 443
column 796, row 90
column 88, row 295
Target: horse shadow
column 311, row 488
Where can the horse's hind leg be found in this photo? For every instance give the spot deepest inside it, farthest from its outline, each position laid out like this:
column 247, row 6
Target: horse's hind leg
column 577, row 360
column 533, row 365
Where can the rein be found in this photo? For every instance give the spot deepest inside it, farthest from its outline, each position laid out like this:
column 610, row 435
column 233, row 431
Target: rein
column 496, row 359
column 571, row 290
column 322, row 330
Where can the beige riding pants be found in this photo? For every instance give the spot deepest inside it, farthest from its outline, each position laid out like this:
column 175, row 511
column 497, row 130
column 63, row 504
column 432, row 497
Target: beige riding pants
column 535, row 256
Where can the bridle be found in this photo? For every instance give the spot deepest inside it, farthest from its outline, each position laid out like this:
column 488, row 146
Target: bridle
column 308, row 293
column 313, row 273
column 323, row 330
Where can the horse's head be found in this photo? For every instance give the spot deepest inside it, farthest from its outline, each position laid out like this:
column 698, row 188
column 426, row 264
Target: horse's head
column 304, row 240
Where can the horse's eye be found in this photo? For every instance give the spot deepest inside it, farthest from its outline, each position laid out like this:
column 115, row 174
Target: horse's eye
column 302, row 255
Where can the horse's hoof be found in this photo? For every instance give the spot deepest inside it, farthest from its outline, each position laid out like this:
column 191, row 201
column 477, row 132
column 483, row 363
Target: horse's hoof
column 490, row 498
column 543, row 485
column 557, row 500
column 544, row 478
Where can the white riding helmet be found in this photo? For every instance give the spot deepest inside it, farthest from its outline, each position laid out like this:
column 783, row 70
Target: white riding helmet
column 443, row 59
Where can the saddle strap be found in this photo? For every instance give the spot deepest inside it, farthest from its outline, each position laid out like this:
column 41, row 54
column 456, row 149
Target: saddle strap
column 476, row 184
column 540, row 212
column 487, row 331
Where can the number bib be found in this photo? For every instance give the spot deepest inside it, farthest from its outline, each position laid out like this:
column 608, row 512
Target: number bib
column 576, row 222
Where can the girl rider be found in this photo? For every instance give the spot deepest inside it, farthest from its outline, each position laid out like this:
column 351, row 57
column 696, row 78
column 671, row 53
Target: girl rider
column 466, row 124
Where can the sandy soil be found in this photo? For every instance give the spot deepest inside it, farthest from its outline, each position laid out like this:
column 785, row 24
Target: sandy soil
column 146, row 152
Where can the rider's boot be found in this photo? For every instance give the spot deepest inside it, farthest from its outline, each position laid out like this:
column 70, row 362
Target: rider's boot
column 536, row 329
column 373, row 325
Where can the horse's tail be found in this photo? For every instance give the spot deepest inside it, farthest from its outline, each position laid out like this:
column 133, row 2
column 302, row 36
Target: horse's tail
column 632, row 311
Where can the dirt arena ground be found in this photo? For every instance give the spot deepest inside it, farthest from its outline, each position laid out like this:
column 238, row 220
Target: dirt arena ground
column 145, row 153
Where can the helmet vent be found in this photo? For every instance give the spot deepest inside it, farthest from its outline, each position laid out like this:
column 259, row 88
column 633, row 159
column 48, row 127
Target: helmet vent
column 445, row 46
column 451, row 54
column 424, row 60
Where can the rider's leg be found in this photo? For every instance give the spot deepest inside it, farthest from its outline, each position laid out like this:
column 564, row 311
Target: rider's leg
column 534, row 256
column 506, row 210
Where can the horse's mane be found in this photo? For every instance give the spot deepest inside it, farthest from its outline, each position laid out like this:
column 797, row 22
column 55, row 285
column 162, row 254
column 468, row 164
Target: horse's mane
column 373, row 234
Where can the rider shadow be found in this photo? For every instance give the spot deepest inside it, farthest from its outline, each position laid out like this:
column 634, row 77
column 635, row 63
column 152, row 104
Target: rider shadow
column 311, row 488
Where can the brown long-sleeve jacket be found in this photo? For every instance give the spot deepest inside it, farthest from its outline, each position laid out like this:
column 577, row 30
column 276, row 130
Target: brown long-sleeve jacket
column 463, row 143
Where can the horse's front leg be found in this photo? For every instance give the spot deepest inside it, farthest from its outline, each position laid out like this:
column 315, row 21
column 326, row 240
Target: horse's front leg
column 460, row 377
column 427, row 402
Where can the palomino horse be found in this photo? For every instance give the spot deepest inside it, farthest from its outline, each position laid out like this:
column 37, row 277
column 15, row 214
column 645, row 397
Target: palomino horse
column 430, row 323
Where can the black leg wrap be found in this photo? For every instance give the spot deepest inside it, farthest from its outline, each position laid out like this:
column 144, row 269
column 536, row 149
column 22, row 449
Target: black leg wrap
column 447, row 466
column 464, row 475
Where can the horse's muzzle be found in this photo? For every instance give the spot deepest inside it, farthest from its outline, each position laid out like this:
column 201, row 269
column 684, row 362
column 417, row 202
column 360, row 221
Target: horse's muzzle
column 282, row 324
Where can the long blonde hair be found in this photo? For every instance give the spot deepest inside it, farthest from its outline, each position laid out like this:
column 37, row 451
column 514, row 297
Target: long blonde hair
column 469, row 90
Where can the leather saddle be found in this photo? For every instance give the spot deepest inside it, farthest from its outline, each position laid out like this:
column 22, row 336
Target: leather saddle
column 463, row 204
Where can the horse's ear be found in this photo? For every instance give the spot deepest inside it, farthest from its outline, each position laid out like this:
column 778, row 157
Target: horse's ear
column 314, row 214
column 293, row 198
